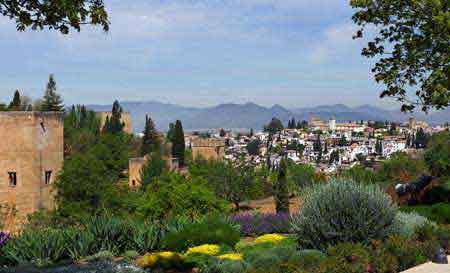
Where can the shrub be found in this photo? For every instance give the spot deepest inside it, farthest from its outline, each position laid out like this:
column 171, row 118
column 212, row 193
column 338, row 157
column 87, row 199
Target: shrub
column 110, row 233
column 166, row 260
column 307, row 260
column 100, row 256
column 270, row 238
column 406, row 250
column 211, row 250
column 265, row 263
column 257, row 224
column 231, row 256
column 407, row 223
column 211, row 230
column 226, row 266
column 342, row 211
column 143, row 237
column 439, row 213
column 346, row 257
column 381, row 261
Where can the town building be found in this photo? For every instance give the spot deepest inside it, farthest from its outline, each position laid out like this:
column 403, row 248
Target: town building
column 31, row 156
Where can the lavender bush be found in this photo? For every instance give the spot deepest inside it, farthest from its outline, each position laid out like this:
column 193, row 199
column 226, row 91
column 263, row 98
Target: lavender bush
column 257, row 224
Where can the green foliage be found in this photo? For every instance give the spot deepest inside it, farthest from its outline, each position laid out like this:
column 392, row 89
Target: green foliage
column 55, row 15
column 407, row 251
column 274, row 126
column 178, row 144
column 281, row 191
column 233, row 181
column 411, row 35
column 437, row 156
column 342, row 211
column 439, row 213
column 301, row 176
column 104, row 255
column 114, row 124
column 346, row 257
column 15, row 103
column 88, row 183
column 130, row 255
column 401, row 168
column 152, row 169
column 51, row 101
column 81, row 130
column 40, row 247
column 211, row 230
column 253, row 147
column 175, row 195
column 407, row 223
column 359, row 173
column 226, row 266
column 79, row 243
column 151, row 140
column 308, row 259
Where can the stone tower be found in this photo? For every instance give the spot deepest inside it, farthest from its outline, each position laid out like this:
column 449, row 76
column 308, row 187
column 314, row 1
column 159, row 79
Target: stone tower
column 31, row 156
column 209, row 148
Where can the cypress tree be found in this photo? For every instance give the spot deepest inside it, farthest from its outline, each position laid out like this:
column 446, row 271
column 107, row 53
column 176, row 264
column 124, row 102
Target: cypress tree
column 171, row 132
column 106, row 127
column 115, row 122
column 150, row 141
column 281, row 189
column 16, row 102
column 178, row 146
column 51, row 101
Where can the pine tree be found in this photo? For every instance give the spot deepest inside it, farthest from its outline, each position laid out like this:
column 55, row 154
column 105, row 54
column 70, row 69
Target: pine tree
column 16, row 102
column 281, row 189
column 178, row 144
column 51, row 101
column 150, row 141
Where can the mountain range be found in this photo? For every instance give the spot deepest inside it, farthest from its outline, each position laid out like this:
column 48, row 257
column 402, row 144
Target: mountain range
column 251, row 115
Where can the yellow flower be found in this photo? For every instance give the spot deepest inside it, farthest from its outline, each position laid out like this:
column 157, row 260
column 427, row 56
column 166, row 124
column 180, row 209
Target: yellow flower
column 165, row 254
column 147, row 261
column 270, row 238
column 231, row 256
column 211, row 250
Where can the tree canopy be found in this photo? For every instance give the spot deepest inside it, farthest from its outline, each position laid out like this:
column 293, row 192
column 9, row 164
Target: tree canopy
column 55, row 14
column 412, row 44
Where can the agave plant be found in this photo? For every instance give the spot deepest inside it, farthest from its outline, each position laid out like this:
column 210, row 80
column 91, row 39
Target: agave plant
column 110, row 233
column 79, row 243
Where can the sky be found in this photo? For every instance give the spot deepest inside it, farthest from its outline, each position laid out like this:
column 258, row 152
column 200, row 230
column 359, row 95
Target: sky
column 295, row 53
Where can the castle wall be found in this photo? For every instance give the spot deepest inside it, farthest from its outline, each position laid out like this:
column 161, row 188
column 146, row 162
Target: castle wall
column 32, row 144
column 209, row 148
column 126, row 118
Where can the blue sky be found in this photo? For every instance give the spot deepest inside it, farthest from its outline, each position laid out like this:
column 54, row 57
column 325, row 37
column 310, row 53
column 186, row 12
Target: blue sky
column 198, row 53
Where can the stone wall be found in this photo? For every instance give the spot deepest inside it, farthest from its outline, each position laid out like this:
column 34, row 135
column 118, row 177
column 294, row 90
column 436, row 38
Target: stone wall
column 126, row 118
column 32, row 144
column 208, row 148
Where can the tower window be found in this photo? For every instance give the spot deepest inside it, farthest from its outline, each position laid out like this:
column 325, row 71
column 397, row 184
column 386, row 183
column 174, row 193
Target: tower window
column 12, row 179
column 48, row 176
column 133, row 183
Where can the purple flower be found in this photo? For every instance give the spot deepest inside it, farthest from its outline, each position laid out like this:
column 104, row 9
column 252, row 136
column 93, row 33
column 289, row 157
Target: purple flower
column 3, row 238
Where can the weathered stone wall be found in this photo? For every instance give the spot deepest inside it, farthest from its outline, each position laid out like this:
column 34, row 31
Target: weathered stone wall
column 135, row 166
column 126, row 118
column 209, row 148
column 31, row 144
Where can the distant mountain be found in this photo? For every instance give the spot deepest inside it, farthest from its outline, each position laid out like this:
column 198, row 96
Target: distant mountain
column 251, row 115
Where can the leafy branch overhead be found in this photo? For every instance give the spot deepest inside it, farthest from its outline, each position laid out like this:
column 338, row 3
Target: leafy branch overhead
column 61, row 15
column 412, row 44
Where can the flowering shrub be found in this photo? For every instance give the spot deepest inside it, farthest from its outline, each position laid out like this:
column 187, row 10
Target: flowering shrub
column 164, row 259
column 257, row 224
column 211, row 250
column 270, row 238
column 231, row 256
